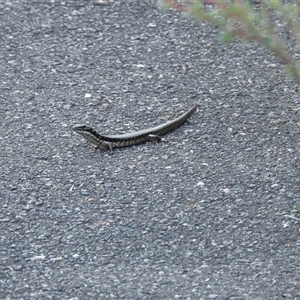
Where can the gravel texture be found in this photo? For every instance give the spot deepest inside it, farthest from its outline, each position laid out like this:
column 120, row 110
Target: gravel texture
column 211, row 215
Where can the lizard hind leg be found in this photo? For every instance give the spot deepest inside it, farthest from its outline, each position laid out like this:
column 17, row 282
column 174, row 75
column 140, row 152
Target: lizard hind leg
column 154, row 138
column 157, row 138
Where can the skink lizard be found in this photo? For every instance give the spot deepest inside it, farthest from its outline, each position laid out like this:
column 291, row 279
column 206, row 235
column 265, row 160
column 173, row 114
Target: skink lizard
column 109, row 142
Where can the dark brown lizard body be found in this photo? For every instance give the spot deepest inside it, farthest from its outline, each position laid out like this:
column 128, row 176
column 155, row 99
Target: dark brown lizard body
column 109, row 142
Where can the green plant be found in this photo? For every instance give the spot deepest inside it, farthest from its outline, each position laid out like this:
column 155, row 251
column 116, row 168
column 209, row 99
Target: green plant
column 239, row 20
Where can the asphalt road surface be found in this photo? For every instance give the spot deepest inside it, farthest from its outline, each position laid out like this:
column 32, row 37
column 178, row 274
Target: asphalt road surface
column 210, row 215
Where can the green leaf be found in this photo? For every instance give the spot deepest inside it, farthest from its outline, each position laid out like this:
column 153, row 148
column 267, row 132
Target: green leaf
column 195, row 9
column 293, row 71
column 227, row 37
column 276, row 4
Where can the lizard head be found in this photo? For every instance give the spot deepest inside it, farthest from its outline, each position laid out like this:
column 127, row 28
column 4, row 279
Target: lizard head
column 88, row 133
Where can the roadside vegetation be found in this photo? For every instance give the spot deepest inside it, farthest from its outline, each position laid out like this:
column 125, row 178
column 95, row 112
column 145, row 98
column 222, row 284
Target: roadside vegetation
column 273, row 24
